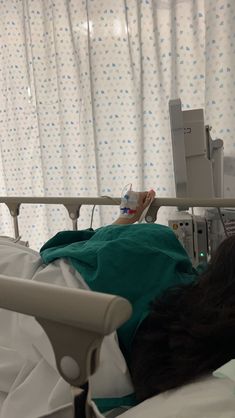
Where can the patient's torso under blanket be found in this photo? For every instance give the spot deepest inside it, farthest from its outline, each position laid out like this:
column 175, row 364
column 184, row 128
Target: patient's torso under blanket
column 138, row 262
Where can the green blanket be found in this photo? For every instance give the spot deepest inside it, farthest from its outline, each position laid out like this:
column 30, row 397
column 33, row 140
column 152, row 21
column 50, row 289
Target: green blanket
column 138, row 262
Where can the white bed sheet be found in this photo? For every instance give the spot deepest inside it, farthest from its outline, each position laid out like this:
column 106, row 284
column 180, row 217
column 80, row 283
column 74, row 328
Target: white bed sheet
column 209, row 397
column 30, row 386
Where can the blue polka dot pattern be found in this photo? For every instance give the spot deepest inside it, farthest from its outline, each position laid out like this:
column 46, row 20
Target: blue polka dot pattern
column 84, row 98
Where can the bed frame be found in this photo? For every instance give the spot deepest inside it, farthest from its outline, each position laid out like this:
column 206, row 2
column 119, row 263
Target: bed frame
column 65, row 314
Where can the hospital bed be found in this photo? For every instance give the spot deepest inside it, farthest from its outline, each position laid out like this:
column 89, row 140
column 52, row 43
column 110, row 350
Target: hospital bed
column 76, row 335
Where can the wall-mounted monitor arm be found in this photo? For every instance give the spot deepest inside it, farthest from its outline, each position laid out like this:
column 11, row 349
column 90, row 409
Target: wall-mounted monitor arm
column 215, row 148
column 197, row 159
column 178, row 147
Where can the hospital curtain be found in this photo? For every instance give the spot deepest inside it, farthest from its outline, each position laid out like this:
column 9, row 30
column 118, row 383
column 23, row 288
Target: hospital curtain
column 84, row 97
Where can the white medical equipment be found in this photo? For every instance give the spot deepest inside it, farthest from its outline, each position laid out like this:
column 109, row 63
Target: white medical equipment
column 193, row 234
column 198, row 160
column 198, row 172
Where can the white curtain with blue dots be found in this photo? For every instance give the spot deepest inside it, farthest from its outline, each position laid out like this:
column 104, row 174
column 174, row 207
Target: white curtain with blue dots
column 84, row 97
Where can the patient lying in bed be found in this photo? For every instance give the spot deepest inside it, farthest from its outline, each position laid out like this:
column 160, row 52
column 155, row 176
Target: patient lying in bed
column 183, row 323
column 188, row 330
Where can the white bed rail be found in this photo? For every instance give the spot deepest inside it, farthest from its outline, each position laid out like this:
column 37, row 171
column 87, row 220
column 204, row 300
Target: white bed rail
column 73, row 205
column 75, row 321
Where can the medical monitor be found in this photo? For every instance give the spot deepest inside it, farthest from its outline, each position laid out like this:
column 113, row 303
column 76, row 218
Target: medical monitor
column 197, row 159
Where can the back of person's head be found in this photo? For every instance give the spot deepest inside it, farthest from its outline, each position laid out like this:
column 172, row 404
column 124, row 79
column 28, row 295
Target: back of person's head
column 190, row 330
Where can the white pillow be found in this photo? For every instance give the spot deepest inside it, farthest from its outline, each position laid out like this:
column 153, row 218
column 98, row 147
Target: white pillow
column 112, row 379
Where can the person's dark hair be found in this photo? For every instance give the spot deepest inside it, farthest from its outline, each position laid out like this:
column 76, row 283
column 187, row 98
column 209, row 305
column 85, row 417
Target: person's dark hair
column 190, row 330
